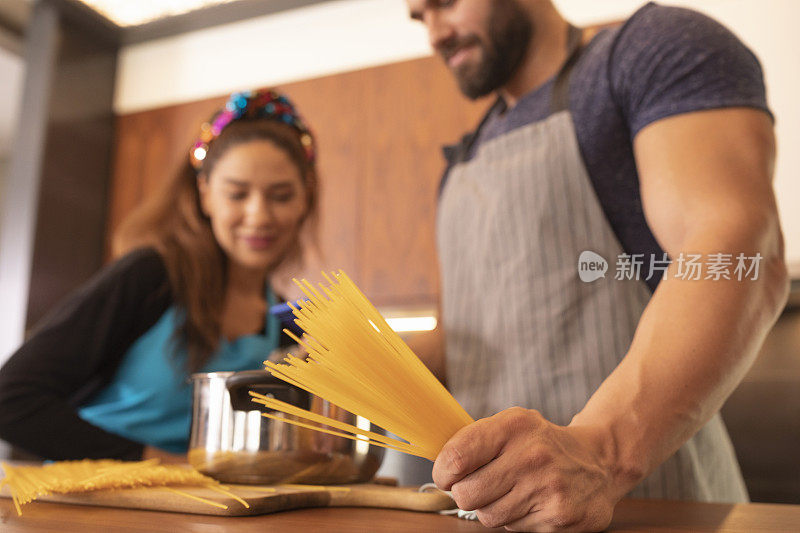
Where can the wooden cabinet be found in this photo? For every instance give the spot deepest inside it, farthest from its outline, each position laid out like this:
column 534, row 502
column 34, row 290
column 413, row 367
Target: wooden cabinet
column 380, row 133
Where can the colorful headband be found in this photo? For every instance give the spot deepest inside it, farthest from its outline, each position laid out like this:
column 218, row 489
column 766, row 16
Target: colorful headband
column 262, row 103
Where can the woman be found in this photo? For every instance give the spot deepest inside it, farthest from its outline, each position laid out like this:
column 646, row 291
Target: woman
column 105, row 375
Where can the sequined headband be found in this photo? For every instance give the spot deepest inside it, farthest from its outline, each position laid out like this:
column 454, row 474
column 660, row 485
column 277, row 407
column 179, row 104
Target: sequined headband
column 264, row 103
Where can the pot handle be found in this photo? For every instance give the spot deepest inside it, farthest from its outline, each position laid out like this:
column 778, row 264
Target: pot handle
column 241, row 383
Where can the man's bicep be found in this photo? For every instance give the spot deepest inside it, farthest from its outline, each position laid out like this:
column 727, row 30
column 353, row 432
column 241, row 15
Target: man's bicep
column 707, row 170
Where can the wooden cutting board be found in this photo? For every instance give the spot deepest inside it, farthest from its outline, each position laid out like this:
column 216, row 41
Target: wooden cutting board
column 262, row 500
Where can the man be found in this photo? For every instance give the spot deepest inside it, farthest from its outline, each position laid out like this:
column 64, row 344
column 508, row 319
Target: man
column 607, row 148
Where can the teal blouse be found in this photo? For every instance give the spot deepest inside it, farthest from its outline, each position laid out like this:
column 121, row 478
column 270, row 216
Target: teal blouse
column 149, row 399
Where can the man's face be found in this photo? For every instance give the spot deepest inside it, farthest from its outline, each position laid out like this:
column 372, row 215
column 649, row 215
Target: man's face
column 483, row 42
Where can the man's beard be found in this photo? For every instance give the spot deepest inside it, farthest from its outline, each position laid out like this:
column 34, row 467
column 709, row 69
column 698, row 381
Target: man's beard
column 510, row 31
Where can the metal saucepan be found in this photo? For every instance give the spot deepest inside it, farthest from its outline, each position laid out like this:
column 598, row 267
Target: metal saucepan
column 233, row 443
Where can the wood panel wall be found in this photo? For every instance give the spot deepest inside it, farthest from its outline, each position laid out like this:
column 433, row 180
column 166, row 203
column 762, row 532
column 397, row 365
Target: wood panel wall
column 380, row 133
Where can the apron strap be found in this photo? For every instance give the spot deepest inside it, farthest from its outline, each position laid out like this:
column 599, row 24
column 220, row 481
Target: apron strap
column 458, row 153
column 560, row 99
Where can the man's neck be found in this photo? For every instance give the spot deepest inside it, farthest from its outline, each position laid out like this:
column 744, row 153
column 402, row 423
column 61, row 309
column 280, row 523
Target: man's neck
column 547, row 51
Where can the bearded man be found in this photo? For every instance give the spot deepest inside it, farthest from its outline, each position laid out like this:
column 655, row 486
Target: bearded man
column 611, row 258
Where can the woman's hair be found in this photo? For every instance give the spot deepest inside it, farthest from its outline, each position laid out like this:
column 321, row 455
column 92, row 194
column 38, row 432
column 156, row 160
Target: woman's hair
column 171, row 221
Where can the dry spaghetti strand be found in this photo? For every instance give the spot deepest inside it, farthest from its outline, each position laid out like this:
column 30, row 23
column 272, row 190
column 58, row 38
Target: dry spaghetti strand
column 359, row 363
column 69, row 477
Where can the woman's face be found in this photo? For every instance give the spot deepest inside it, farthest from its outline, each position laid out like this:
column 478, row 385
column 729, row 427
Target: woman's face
column 256, row 200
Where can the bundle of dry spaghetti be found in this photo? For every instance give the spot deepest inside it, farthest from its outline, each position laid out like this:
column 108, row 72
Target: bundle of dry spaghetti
column 69, row 477
column 359, row 363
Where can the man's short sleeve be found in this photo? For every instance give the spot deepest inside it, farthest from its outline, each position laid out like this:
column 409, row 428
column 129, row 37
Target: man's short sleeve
column 667, row 61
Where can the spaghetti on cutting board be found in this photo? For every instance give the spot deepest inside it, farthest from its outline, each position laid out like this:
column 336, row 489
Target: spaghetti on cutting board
column 359, row 363
column 70, row 477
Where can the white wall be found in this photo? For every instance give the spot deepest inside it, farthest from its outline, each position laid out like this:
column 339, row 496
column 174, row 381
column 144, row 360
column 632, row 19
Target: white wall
column 11, row 74
column 12, row 70
column 3, row 169
column 292, row 45
column 351, row 34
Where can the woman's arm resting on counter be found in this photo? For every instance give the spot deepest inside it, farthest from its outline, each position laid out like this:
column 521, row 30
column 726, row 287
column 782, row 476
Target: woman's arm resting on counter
column 706, row 189
column 80, row 344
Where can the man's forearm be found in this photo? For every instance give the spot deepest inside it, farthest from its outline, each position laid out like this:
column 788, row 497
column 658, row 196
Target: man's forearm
column 694, row 343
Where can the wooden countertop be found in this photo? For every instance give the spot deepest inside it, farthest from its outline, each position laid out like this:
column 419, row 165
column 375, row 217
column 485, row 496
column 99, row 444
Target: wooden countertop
column 631, row 516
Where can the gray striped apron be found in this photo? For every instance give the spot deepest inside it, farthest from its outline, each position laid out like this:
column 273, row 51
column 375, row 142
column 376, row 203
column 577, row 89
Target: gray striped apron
column 521, row 328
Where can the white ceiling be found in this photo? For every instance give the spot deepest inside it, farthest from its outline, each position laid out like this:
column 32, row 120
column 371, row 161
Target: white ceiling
column 127, row 13
column 12, row 70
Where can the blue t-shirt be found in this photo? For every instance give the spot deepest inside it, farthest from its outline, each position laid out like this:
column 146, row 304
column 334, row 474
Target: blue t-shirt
column 149, row 399
column 662, row 61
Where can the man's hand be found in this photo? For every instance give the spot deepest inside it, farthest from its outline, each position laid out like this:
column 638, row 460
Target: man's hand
column 520, row 471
